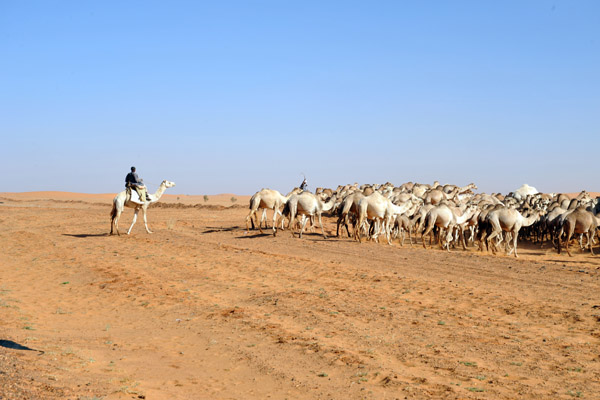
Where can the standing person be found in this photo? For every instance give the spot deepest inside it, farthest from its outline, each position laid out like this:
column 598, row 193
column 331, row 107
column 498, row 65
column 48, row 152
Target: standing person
column 132, row 180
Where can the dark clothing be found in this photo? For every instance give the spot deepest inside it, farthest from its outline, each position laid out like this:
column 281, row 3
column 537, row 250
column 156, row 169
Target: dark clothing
column 132, row 179
column 303, row 185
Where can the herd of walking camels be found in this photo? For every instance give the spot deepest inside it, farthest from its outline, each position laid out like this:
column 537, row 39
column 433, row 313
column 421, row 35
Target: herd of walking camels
column 447, row 214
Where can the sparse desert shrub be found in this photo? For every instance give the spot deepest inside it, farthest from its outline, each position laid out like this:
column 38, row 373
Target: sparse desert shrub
column 205, row 198
column 233, row 199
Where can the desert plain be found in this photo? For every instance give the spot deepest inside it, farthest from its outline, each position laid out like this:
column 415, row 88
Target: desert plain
column 202, row 309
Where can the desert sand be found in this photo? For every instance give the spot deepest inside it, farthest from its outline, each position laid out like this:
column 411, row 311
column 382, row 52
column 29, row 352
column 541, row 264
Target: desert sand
column 203, row 310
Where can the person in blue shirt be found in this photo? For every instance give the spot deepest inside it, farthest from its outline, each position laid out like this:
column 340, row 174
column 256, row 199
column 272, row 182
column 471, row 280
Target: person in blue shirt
column 132, row 180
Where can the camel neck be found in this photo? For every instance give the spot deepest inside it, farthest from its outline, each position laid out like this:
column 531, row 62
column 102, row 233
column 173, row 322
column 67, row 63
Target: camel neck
column 530, row 220
column 159, row 192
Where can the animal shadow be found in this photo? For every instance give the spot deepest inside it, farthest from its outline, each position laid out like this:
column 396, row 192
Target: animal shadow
column 85, row 235
column 253, row 236
column 9, row 344
column 213, row 229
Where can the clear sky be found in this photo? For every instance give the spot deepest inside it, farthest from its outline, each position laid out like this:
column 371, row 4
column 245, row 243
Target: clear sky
column 233, row 96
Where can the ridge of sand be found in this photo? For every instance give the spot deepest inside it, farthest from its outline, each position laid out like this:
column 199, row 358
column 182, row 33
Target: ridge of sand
column 223, row 199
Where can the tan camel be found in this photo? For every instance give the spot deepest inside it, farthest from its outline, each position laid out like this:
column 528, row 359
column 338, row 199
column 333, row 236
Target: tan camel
column 451, row 188
column 406, row 223
column 308, row 205
column 446, row 218
column 266, row 198
column 349, row 207
column 380, row 210
column 509, row 220
column 419, row 189
column 121, row 201
column 578, row 221
column 435, row 196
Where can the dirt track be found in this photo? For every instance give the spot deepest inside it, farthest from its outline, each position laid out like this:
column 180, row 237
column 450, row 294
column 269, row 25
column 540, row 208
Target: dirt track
column 200, row 309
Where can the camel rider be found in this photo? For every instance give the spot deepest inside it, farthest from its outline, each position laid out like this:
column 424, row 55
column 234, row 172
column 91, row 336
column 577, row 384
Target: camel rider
column 303, row 185
column 133, row 181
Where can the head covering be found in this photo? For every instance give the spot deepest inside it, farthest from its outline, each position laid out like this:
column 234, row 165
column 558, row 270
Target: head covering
column 133, row 168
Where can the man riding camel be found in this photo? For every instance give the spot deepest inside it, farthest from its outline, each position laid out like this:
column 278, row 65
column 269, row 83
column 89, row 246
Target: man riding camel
column 304, row 184
column 133, row 181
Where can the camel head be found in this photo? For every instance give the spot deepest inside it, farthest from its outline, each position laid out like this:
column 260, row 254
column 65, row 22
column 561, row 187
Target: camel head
column 168, row 184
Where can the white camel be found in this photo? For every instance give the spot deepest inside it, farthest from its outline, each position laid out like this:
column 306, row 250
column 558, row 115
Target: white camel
column 381, row 210
column 121, row 201
column 446, row 218
column 308, row 205
column 266, row 198
column 509, row 220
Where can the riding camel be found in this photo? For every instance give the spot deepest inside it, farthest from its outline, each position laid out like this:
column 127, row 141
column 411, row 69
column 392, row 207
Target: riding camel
column 123, row 200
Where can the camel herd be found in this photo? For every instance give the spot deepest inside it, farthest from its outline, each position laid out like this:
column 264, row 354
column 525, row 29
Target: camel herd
column 447, row 214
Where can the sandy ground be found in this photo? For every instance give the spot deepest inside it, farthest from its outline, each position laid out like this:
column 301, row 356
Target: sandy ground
column 202, row 310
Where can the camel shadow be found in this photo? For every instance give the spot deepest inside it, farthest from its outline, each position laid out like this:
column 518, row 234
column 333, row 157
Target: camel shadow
column 253, row 236
column 212, row 229
column 569, row 260
column 86, row 235
column 9, row 344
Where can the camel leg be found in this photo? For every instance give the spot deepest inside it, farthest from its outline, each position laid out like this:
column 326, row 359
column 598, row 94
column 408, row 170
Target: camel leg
column 263, row 216
column 462, row 237
column 312, row 223
column 489, row 241
column 346, row 219
column 135, row 214
column 275, row 209
column 292, row 219
column 516, row 236
column 145, row 220
column 388, row 232
column 440, row 236
column 569, row 234
column 282, row 219
column 303, row 225
column 252, row 217
column 374, row 231
column 559, row 241
column 358, row 228
column 346, row 225
column 248, row 222
column 449, row 237
column 426, row 231
column 115, row 223
column 337, row 231
column 258, row 223
column 322, row 229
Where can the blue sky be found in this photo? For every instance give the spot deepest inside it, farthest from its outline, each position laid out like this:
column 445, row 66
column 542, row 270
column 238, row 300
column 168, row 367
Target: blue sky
column 234, row 96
